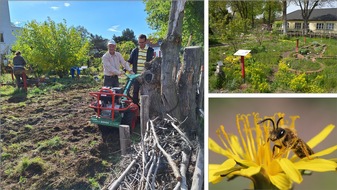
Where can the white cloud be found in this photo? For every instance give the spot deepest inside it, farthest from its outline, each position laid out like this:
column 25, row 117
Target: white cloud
column 114, row 28
column 66, row 4
column 55, row 8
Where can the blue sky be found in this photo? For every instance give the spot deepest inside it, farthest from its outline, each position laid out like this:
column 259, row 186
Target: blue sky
column 104, row 18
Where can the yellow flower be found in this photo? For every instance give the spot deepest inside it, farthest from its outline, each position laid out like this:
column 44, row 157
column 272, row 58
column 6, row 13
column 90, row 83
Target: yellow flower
column 250, row 155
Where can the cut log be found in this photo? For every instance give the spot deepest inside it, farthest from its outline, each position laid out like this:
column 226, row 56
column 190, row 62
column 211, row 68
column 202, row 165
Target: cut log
column 124, row 137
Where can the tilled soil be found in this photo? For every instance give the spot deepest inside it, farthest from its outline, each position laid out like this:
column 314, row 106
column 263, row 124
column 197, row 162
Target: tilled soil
column 48, row 142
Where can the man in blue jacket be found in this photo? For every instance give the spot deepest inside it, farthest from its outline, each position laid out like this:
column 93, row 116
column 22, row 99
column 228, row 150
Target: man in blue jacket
column 141, row 54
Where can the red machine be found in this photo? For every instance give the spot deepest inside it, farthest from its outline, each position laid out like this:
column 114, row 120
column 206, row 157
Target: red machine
column 113, row 108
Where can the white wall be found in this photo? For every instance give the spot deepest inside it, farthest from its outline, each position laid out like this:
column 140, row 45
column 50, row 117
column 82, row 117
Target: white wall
column 6, row 27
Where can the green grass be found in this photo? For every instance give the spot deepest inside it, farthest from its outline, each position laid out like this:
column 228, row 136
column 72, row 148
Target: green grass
column 28, row 127
column 56, row 84
column 25, row 162
column 304, row 65
column 53, row 143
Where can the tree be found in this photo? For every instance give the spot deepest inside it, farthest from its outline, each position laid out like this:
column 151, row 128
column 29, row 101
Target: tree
column 247, row 10
column 54, row 47
column 219, row 17
column 98, row 45
column 125, row 48
column 269, row 11
column 284, row 16
column 127, row 35
column 193, row 20
column 307, row 6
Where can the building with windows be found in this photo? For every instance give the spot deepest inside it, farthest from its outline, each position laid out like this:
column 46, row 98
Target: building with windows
column 6, row 31
column 320, row 21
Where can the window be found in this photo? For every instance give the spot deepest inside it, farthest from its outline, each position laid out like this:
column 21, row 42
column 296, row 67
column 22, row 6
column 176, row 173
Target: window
column 298, row 25
column 319, row 26
column 2, row 37
column 329, row 26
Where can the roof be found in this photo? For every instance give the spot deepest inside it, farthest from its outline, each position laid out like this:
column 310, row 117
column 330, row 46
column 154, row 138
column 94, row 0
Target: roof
column 329, row 14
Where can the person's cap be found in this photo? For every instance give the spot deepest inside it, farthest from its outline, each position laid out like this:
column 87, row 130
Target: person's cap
column 112, row 42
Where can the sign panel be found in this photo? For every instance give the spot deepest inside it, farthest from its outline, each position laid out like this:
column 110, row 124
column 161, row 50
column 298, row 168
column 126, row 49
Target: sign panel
column 242, row 52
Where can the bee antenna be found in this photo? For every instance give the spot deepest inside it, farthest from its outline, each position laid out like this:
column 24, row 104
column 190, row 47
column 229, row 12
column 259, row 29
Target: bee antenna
column 278, row 121
column 267, row 120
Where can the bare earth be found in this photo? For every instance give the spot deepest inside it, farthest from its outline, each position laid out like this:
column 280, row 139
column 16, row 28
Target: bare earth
column 80, row 154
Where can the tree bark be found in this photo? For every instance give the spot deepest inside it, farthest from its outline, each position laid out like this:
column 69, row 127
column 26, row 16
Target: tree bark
column 188, row 83
column 284, row 8
column 171, row 62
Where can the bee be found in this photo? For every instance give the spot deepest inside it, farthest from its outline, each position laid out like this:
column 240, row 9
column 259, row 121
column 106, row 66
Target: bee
column 286, row 138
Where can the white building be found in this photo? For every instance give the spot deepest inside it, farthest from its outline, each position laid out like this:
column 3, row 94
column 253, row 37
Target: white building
column 6, row 31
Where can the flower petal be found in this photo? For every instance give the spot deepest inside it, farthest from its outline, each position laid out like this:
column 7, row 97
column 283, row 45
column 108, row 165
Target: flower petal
column 236, row 145
column 289, row 168
column 247, row 172
column 216, row 170
column 281, row 181
column 213, row 146
column 318, row 165
column 214, row 179
column 325, row 152
column 223, row 168
column 250, row 171
column 274, row 168
column 320, row 136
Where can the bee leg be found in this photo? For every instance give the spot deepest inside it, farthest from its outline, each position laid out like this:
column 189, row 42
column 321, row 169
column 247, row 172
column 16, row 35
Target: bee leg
column 278, row 146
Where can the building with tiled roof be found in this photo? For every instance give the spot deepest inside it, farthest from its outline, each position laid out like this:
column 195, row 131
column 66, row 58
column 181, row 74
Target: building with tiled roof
column 320, row 21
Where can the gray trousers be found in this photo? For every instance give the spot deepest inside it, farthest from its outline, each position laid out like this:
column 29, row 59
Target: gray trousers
column 111, row 81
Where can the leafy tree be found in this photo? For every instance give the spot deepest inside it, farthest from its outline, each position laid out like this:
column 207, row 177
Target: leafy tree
column 247, row 10
column 193, row 21
column 49, row 46
column 270, row 10
column 127, row 35
column 125, row 48
column 84, row 32
column 98, row 45
column 219, row 17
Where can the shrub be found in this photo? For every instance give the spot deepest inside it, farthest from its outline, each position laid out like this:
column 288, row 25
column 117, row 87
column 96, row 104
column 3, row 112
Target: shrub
column 299, row 83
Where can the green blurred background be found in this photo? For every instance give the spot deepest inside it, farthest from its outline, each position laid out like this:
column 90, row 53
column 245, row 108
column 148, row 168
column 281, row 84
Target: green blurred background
column 315, row 114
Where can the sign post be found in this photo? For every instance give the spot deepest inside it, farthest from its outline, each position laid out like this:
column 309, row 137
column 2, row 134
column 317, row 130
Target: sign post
column 242, row 53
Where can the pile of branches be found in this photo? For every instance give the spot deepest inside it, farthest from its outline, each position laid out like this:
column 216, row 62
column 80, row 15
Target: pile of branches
column 165, row 159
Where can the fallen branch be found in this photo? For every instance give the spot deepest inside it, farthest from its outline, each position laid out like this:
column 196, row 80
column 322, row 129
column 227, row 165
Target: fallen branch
column 183, row 136
column 116, row 183
column 168, row 157
column 183, row 168
column 198, row 174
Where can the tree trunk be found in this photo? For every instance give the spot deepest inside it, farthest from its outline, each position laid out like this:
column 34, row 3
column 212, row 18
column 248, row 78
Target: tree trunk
column 188, row 83
column 171, row 62
column 284, row 7
column 172, row 86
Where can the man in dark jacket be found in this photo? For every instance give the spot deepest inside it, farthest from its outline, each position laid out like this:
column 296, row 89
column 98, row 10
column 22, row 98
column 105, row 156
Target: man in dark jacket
column 19, row 68
column 141, row 54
